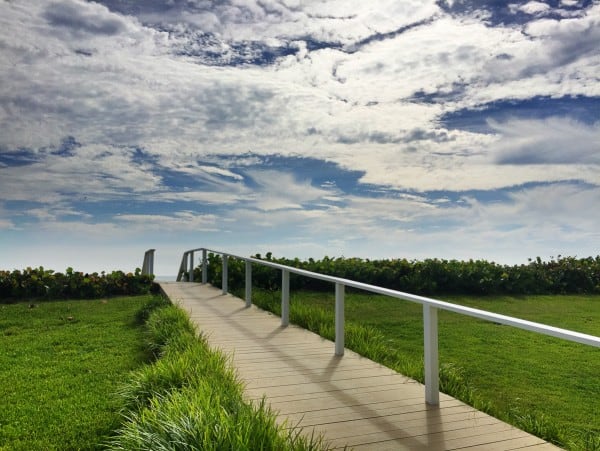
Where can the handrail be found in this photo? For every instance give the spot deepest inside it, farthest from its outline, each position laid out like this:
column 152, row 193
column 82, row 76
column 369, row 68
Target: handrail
column 430, row 308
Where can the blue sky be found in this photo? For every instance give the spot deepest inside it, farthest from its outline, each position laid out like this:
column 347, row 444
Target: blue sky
column 381, row 129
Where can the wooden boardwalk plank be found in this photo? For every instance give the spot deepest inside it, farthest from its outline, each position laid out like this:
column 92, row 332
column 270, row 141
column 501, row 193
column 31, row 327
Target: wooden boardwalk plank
column 350, row 400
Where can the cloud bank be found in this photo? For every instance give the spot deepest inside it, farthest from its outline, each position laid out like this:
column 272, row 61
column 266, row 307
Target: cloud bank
column 450, row 129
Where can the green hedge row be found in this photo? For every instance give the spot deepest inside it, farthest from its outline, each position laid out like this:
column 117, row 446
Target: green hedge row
column 563, row 275
column 40, row 283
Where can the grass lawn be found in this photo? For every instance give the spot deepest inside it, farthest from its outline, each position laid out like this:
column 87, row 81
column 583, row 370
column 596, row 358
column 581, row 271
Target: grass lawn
column 516, row 371
column 60, row 365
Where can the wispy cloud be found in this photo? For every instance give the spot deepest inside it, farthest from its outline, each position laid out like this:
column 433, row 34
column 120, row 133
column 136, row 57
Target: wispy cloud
column 178, row 221
column 550, row 141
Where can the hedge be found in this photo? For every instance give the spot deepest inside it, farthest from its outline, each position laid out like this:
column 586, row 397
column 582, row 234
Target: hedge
column 40, row 284
column 563, row 275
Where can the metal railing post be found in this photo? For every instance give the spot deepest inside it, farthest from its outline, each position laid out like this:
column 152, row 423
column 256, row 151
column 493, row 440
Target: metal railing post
column 191, row 275
column 224, row 275
column 339, row 319
column 285, row 297
column 430, row 332
column 148, row 265
column 181, row 268
column 204, row 267
column 248, row 283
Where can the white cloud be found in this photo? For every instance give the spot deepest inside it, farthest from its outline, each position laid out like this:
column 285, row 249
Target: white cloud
column 179, row 221
column 551, row 50
column 550, row 141
column 220, row 171
column 93, row 173
column 281, row 191
column 81, row 20
column 55, row 213
column 365, row 90
column 543, row 220
column 534, row 8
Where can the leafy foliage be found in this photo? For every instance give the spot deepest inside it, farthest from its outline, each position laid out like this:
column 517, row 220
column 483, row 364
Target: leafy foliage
column 563, row 275
column 40, row 283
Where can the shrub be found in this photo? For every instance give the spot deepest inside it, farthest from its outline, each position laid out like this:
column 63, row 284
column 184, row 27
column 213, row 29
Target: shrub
column 564, row 275
column 40, row 283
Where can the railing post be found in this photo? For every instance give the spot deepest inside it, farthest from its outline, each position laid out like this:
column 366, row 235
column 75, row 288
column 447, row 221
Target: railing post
column 148, row 265
column 224, row 275
column 204, row 267
column 285, row 297
column 181, row 268
column 184, row 264
column 339, row 319
column 151, row 262
column 191, row 274
column 248, row 283
column 430, row 331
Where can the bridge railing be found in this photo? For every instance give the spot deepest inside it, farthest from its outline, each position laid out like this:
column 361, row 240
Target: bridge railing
column 430, row 309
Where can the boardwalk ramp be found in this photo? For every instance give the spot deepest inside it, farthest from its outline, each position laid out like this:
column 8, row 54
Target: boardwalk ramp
column 351, row 400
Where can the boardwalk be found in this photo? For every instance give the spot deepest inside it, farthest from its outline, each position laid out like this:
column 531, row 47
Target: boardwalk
column 351, row 400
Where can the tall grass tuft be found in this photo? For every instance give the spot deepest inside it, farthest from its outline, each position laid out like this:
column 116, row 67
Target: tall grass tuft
column 167, row 325
column 143, row 313
column 184, row 365
column 205, row 417
column 190, row 398
column 537, row 424
column 586, row 440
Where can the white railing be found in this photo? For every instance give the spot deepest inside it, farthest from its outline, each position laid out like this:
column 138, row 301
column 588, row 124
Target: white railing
column 148, row 265
column 430, row 310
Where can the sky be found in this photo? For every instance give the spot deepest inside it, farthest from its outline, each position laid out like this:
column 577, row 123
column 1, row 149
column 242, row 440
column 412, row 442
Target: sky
column 454, row 129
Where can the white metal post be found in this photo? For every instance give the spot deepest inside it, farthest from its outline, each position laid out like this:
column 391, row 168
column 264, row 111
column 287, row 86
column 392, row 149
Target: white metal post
column 148, row 265
column 184, row 262
column 285, row 297
column 430, row 330
column 204, row 267
column 339, row 319
column 224, row 278
column 191, row 277
column 248, row 283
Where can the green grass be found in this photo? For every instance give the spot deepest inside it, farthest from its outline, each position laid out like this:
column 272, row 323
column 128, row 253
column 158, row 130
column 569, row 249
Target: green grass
column 59, row 365
column 190, row 399
column 545, row 385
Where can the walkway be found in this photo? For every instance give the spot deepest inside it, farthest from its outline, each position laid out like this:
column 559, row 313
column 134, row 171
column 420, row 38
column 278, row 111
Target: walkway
column 351, row 400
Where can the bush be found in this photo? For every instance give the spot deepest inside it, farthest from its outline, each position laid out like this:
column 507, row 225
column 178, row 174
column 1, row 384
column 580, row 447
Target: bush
column 40, row 283
column 564, row 275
